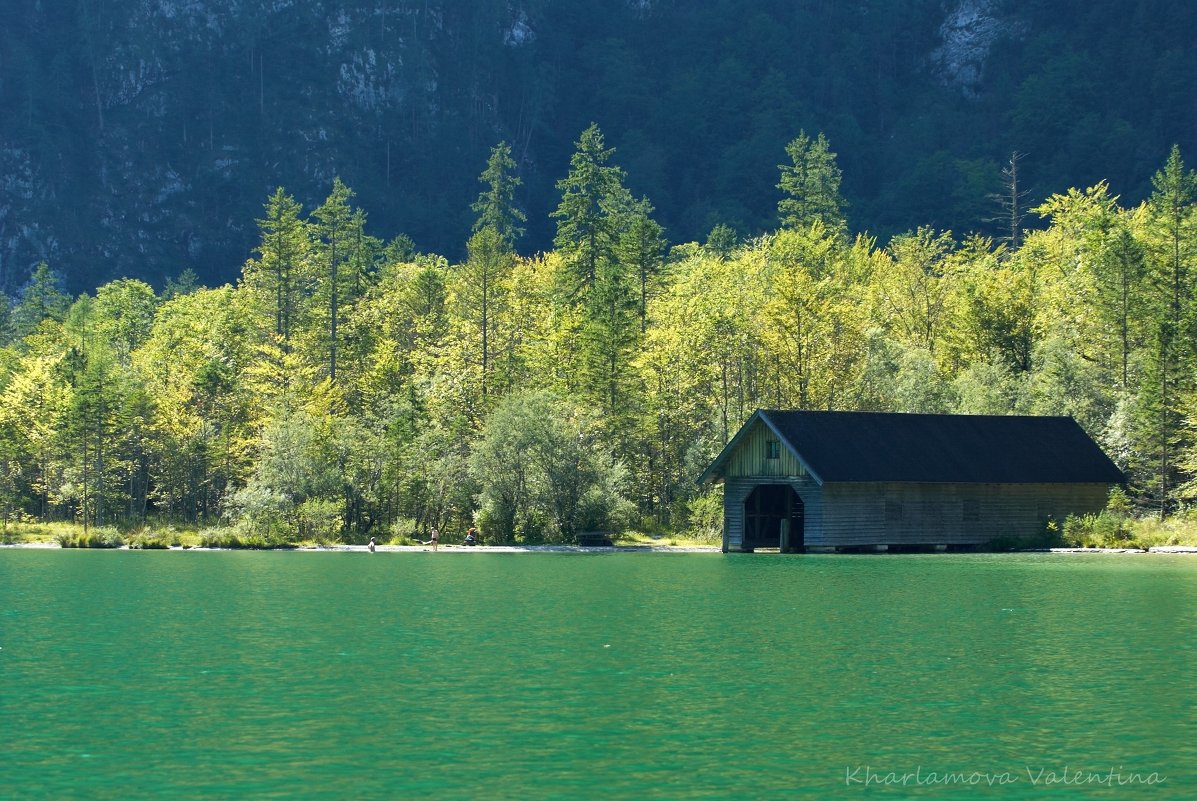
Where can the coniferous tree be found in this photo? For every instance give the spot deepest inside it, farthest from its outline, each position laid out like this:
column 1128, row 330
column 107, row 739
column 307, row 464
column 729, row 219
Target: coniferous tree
column 338, row 230
column 721, row 241
column 1168, row 375
column 641, row 248
column 1174, row 244
column 811, row 184
column 97, row 423
column 1122, row 269
column 41, row 299
column 279, row 277
column 595, row 217
column 184, row 283
column 588, row 221
column 496, row 207
column 482, row 290
column 1012, row 202
column 609, row 335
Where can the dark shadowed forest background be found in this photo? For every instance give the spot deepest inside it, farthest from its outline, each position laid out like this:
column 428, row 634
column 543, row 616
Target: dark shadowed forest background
column 139, row 138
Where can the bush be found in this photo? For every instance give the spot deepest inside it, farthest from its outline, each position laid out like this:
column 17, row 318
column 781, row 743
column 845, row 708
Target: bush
column 1149, row 532
column 146, row 541
column 259, row 514
column 1110, row 528
column 705, row 517
column 1105, row 529
column 319, row 520
column 402, row 531
column 103, row 537
column 233, row 539
column 545, row 472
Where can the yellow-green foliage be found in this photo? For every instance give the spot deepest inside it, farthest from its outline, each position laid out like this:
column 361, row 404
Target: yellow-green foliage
column 226, row 406
column 102, row 537
column 1116, row 527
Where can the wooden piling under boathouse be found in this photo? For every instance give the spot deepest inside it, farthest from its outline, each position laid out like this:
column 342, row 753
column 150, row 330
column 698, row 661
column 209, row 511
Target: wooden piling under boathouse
column 802, row 481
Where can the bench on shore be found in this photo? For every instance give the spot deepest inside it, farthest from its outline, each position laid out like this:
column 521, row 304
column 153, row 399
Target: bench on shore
column 594, row 539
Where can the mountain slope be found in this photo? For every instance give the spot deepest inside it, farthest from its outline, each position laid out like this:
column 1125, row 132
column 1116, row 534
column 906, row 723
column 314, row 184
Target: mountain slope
column 141, row 137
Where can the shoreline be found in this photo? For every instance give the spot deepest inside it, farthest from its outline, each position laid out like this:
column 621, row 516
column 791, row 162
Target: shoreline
column 403, row 548
column 1157, row 549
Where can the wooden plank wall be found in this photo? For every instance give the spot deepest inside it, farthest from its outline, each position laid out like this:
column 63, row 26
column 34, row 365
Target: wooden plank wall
column 960, row 514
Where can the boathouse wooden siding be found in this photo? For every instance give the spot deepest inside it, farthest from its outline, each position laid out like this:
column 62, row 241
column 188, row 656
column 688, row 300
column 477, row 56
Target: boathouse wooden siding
column 871, row 479
column 947, row 514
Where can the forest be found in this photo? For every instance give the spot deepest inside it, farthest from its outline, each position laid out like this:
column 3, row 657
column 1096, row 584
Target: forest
column 348, row 386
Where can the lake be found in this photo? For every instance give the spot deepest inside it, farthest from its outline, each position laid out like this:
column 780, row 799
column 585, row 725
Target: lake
column 208, row 675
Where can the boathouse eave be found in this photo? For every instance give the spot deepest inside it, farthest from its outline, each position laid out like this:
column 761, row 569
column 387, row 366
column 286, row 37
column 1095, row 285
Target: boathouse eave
column 715, row 473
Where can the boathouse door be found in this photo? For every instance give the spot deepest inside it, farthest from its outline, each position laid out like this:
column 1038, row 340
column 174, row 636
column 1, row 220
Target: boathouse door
column 770, row 510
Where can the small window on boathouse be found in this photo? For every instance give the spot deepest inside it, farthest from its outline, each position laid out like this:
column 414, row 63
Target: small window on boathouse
column 772, row 449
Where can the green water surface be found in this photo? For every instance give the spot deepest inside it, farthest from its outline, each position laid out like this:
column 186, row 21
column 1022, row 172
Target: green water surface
column 209, row 675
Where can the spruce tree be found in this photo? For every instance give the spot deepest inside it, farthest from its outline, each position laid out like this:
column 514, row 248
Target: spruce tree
column 496, row 206
column 338, row 229
column 1168, row 376
column 482, row 290
column 597, row 223
column 642, row 250
column 278, row 279
column 811, row 184
column 587, row 222
column 41, row 299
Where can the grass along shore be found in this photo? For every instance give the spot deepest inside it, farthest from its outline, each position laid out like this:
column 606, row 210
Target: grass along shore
column 72, row 535
column 1111, row 528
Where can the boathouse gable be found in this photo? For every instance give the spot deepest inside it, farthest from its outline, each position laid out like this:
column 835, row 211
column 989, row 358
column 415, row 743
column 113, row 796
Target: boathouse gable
column 762, row 452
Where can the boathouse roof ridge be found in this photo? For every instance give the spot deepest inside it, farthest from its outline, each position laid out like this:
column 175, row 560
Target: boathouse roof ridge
column 891, row 446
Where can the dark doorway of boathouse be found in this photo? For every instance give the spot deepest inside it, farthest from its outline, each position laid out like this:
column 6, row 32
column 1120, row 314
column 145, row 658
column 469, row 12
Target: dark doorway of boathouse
column 773, row 513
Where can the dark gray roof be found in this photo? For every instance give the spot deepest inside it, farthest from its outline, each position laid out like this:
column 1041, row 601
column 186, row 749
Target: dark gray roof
column 872, row 446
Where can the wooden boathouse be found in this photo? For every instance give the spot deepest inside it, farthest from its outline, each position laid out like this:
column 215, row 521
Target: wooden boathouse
column 813, row 481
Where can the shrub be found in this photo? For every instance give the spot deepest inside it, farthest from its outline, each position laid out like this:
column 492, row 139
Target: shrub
column 402, row 531
column 545, row 473
column 1149, row 532
column 259, row 513
column 319, row 520
column 232, row 538
column 705, row 514
column 1105, row 529
column 103, row 537
column 1110, row 528
column 148, row 541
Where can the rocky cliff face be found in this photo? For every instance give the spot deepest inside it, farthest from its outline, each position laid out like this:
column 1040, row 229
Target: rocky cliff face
column 969, row 32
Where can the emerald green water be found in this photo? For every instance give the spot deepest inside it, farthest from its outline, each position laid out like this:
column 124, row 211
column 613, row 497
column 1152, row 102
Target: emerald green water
column 616, row 676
